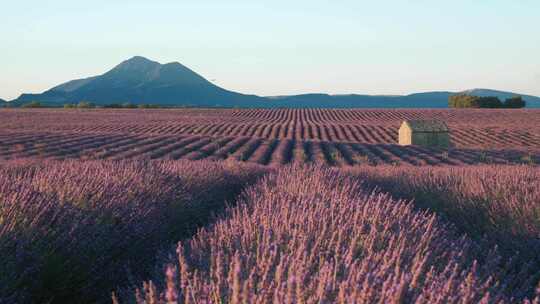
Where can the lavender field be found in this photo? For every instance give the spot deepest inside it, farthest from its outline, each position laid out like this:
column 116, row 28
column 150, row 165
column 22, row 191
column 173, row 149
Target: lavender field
column 334, row 137
column 317, row 235
column 77, row 230
column 270, row 152
column 102, row 216
column 74, row 231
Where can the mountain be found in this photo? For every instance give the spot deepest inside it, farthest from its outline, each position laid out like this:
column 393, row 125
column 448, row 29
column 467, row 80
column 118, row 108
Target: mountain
column 416, row 100
column 139, row 80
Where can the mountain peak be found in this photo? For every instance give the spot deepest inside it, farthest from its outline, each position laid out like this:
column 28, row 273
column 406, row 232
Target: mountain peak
column 141, row 80
column 137, row 63
column 139, row 59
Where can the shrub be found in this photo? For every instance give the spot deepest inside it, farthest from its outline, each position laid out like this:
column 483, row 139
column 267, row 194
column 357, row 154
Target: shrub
column 148, row 106
column 33, row 104
column 129, row 105
column 490, row 102
column 495, row 205
column 113, row 106
column 72, row 231
column 470, row 101
column 312, row 235
column 515, row 102
column 85, row 105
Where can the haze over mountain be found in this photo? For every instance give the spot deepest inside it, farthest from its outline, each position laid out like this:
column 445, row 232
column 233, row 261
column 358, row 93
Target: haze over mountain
column 139, row 80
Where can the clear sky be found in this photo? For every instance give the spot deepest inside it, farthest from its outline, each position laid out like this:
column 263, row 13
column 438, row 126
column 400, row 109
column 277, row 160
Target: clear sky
column 279, row 47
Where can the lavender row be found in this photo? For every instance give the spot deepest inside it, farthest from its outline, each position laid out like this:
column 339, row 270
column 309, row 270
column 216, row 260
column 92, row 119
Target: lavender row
column 313, row 235
column 73, row 231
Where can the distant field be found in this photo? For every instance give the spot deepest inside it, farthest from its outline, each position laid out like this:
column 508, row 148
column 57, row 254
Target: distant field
column 281, row 136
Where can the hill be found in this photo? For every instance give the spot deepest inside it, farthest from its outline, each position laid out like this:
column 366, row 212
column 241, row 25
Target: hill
column 416, row 100
column 139, row 80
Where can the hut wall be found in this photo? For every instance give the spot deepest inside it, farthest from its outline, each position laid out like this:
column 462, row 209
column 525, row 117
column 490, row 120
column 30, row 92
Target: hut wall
column 431, row 139
column 405, row 136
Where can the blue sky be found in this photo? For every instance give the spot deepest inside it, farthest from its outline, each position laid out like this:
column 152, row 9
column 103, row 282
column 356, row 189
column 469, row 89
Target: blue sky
column 279, row 47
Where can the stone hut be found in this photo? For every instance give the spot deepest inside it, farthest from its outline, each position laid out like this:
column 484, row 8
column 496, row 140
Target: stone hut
column 427, row 133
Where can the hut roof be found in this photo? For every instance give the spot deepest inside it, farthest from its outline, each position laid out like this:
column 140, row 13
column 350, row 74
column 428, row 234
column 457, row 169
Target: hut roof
column 426, row 125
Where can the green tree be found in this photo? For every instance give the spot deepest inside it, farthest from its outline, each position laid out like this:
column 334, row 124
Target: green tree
column 113, row 106
column 515, row 102
column 129, row 105
column 148, row 106
column 470, row 101
column 490, row 102
column 33, row 104
column 85, row 105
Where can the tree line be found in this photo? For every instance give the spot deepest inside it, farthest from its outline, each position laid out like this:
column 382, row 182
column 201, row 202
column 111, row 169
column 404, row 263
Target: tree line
column 490, row 102
column 126, row 105
column 89, row 105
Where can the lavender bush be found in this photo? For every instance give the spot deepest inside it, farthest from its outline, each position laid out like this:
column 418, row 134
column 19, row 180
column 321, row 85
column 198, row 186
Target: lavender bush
column 311, row 235
column 73, row 231
column 499, row 204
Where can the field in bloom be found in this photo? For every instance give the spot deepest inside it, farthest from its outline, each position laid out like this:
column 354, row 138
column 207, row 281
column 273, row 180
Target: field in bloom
column 317, row 235
column 342, row 138
column 259, row 206
column 72, row 231
column 77, row 231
